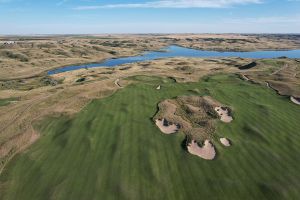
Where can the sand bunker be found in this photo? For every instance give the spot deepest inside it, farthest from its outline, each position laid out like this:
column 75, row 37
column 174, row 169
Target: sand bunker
column 206, row 152
column 158, row 87
column 295, row 100
column 166, row 127
column 117, row 83
column 225, row 142
column 245, row 77
column 224, row 114
column 196, row 117
column 193, row 115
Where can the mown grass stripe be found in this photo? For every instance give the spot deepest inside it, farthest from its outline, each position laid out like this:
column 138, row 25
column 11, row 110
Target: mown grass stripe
column 112, row 150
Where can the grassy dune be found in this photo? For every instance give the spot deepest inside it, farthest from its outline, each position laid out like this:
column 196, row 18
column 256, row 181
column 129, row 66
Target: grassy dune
column 112, row 149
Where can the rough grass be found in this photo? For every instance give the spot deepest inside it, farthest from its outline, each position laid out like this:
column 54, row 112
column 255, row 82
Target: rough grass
column 112, row 149
column 13, row 55
column 193, row 114
column 29, row 84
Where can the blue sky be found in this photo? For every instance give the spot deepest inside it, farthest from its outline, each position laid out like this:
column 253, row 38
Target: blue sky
column 149, row 16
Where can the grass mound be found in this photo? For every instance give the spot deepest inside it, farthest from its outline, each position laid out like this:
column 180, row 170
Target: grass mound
column 194, row 115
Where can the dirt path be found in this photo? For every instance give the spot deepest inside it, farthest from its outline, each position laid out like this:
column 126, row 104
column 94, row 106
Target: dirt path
column 270, row 86
column 31, row 104
column 279, row 70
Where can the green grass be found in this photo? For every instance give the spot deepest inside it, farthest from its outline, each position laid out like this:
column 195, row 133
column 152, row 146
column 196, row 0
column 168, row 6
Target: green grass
column 273, row 64
column 5, row 102
column 112, row 149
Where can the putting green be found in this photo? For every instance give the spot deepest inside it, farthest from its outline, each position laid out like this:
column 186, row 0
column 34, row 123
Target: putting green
column 113, row 150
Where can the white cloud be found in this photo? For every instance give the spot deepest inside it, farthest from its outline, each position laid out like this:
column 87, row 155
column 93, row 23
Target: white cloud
column 174, row 4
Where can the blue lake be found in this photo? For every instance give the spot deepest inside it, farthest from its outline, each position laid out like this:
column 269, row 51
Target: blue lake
column 176, row 51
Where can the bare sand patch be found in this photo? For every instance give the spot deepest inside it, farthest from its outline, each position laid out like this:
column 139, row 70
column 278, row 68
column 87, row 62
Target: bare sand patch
column 166, row 127
column 245, row 77
column 268, row 85
column 295, row 100
column 224, row 114
column 117, row 83
column 225, row 142
column 206, row 152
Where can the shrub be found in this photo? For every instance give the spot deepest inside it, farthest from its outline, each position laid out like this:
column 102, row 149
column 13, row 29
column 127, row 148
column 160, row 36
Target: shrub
column 80, row 80
column 12, row 55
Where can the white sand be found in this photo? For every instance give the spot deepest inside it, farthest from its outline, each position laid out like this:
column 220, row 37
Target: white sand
column 225, row 142
column 117, row 83
column 158, row 87
column 245, row 77
column 206, row 152
column 223, row 114
column 294, row 100
column 173, row 128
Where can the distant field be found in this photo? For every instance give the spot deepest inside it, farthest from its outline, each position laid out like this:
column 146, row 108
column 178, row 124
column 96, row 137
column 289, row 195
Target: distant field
column 112, row 149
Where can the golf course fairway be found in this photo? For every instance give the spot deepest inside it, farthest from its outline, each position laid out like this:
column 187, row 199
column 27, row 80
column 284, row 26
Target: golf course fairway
column 113, row 150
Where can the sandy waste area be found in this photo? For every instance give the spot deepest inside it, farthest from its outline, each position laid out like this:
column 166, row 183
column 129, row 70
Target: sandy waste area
column 295, row 100
column 165, row 127
column 206, row 152
column 225, row 142
column 224, row 114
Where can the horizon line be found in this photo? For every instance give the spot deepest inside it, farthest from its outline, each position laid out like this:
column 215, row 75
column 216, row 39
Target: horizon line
column 194, row 33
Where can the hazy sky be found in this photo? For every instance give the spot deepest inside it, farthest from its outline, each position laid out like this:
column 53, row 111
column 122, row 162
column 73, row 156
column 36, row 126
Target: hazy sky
column 149, row 16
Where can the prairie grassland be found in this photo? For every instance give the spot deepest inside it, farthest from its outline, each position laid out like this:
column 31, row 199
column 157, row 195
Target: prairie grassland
column 279, row 74
column 235, row 42
column 113, row 150
column 96, row 138
column 33, row 56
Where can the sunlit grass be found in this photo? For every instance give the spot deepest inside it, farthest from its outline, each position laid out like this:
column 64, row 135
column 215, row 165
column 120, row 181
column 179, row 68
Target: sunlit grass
column 112, row 149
